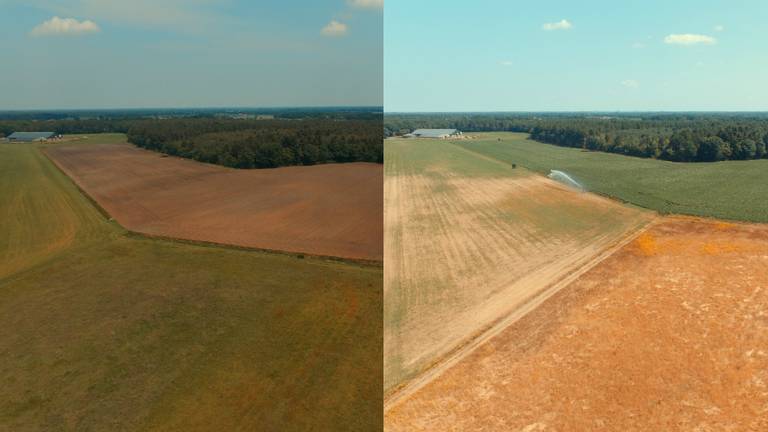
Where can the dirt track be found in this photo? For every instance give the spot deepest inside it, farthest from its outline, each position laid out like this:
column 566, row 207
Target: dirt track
column 669, row 333
column 332, row 210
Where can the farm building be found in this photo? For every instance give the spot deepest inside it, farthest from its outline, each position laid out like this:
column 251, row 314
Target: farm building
column 434, row 133
column 31, row 136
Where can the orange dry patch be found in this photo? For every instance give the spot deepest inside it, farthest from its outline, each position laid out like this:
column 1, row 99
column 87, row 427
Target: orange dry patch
column 646, row 243
column 720, row 248
column 653, row 243
column 333, row 209
column 724, row 225
column 672, row 340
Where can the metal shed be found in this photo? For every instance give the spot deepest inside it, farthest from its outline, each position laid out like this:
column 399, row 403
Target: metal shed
column 435, row 133
column 30, row 136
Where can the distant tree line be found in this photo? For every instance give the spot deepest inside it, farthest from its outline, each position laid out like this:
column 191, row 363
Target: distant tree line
column 343, row 113
column 674, row 137
column 89, row 126
column 263, row 143
column 307, row 138
column 704, row 144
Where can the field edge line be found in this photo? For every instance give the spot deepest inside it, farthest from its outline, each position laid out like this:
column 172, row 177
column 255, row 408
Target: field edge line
column 471, row 343
column 202, row 243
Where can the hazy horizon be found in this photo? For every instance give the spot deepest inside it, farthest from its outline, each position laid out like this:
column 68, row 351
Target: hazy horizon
column 650, row 111
column 110, row 54
column 197, row 108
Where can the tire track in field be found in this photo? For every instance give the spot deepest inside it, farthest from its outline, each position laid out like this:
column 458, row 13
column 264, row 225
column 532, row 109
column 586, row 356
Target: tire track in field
column 462, row 250
column 473, row 342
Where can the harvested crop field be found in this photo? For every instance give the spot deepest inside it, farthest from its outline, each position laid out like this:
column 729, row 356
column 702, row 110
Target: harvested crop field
column 329, row 210
column 469, row 240
column 669, row 333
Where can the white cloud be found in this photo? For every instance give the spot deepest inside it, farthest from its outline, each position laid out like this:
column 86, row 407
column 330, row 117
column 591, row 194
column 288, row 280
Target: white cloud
column 630, row 83
column 64, row 27
column 719, row 27
column 689, row 39
column 366, row 4
column 563, row 24
column 334, row 29
column 638, row 45
column 506, row 63
column 184, row 15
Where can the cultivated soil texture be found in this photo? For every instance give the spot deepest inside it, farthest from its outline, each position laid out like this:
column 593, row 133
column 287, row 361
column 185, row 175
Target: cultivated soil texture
column 669, row 333
column 328, row 210
column 469, row 240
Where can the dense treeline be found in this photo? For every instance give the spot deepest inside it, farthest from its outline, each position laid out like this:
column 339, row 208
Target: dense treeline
column 701, row 144
column 300, row 137
column 263, row 143
column 119, row 121
column 675, row 137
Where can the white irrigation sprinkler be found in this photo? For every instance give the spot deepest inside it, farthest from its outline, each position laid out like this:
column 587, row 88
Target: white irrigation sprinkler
column 566, row 179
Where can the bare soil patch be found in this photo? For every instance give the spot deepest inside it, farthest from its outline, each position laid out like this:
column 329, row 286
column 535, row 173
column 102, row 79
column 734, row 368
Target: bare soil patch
column 669, row 333
column 331, row 210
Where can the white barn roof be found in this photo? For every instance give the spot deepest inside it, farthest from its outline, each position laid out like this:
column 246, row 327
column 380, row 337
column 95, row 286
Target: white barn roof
column 434, row 133
column 30, row 136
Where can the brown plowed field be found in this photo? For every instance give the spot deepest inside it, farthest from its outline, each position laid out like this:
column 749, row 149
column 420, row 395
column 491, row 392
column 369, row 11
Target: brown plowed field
column 670, row 333
column 333, row 210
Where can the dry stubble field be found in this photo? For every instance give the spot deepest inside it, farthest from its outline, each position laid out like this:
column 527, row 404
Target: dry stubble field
column 670, row 333
column 469, row 239
column 328, row 210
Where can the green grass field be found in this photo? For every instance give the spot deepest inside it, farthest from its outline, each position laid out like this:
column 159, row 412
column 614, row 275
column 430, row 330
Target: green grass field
column 736, row 190
column 107, row 330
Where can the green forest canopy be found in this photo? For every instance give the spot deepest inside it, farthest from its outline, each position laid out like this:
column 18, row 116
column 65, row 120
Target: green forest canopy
column 681, row 137
column 263, row 143
column 296, row 138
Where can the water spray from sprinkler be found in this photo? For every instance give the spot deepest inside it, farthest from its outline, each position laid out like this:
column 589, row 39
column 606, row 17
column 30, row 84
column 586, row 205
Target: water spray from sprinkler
column 566, row 179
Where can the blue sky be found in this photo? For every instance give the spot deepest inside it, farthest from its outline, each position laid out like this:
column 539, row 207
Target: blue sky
column 190, row 53
column 565, row 55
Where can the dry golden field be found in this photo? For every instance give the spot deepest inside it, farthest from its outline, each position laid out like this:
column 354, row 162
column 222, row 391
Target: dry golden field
column 469, row 240
column 668, row 334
